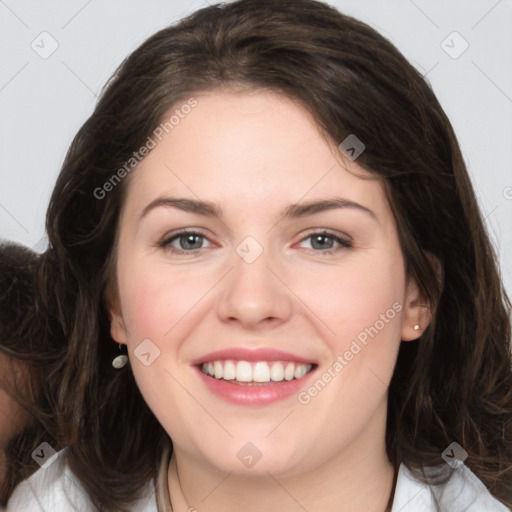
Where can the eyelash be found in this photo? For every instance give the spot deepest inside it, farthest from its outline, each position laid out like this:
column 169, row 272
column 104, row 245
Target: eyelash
column 344, row 243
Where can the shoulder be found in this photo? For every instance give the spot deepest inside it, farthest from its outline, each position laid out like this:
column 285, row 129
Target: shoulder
column 463, row 492
column 55, row 487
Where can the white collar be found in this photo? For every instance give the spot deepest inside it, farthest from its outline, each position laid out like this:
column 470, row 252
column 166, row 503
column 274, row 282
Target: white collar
column 56, row 488
column 462, row 492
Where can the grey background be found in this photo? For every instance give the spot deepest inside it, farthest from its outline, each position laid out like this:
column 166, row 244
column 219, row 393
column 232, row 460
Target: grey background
column 44, row 101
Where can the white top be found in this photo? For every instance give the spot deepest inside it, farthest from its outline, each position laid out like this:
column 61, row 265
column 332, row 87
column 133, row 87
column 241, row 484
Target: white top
column 56, row 489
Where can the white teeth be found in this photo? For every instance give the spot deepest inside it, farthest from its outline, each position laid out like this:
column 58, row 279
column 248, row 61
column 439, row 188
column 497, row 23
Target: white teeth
column 217, row 366
column 277, row 372
column 300, row 371
column 261, row 371
column 289, row 371
column 229, row 370
column 243, row 371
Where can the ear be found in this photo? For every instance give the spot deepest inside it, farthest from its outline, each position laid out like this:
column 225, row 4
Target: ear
column 417, row 310
column 117, row 325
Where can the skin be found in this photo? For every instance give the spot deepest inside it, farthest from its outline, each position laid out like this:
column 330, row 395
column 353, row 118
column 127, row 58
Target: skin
column 254, row 153
column 12, row 416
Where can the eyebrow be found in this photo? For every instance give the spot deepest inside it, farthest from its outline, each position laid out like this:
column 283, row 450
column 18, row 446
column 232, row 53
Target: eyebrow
column 292, row 211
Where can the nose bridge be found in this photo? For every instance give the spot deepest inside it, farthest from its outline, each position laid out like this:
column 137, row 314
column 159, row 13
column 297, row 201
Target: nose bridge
column 252, row 292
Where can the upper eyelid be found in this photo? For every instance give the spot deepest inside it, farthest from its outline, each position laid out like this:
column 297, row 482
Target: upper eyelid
column 184, row 232
column 327, row 232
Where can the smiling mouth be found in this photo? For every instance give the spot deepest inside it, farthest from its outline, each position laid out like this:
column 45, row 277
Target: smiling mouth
column 258, row 373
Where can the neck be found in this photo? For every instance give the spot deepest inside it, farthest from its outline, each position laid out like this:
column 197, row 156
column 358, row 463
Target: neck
column 360, row 477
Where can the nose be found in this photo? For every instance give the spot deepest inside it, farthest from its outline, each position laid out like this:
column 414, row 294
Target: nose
column 254, row 294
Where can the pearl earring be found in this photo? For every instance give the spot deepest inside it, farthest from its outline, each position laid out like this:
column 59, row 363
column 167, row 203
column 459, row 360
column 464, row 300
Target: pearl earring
column 416, row 327
column 120, row 361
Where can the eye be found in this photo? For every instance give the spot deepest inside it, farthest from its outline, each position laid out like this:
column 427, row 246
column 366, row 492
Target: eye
column 324, row 242
column 188, row 242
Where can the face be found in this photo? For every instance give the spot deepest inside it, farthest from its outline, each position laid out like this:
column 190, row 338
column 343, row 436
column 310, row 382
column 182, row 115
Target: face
column 297, row 310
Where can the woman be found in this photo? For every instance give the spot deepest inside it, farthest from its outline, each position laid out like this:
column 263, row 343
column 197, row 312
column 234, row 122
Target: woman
column 269, row 210
column 29, row 341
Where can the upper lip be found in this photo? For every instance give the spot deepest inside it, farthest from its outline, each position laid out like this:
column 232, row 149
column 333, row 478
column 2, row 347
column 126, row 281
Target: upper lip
column 245, row 354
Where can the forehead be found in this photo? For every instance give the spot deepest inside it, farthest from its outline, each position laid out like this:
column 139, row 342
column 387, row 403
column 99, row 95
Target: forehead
column 258, row 148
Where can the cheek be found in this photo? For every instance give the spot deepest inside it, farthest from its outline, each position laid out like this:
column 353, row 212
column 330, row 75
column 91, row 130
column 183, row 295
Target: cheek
column 359, row 305
column 155, row 297
column 145, row 301
column 351, row 298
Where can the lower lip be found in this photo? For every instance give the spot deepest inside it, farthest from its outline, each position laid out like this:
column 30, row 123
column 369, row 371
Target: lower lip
column 259, row 394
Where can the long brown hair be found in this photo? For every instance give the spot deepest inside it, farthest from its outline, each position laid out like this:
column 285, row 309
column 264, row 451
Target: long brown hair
column 455, row 384
column 31, row 342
